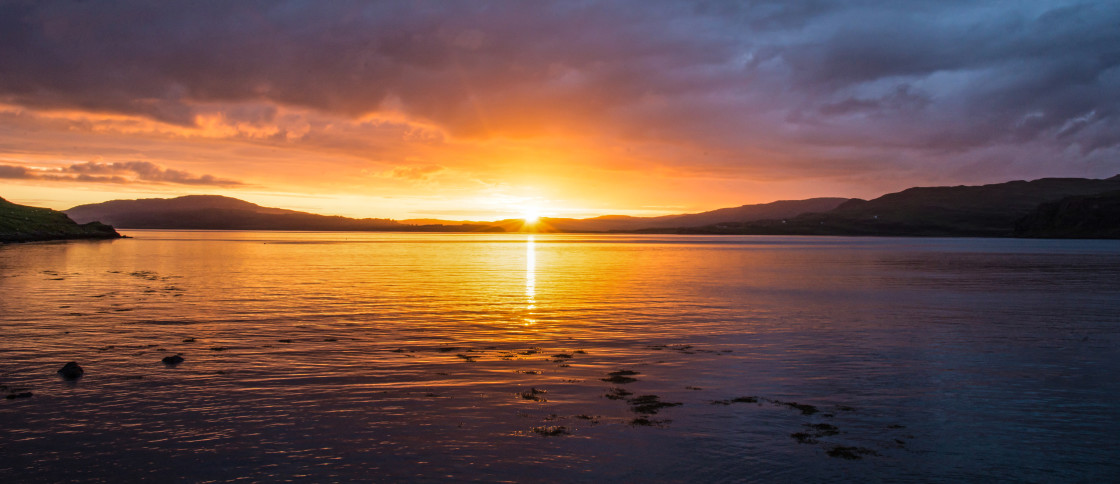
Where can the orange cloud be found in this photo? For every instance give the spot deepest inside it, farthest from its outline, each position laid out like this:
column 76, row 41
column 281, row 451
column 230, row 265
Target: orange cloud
column 119, row 173
column 607, row 107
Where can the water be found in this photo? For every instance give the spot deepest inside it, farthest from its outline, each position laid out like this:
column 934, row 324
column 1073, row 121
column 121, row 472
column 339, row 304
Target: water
column 392, row 357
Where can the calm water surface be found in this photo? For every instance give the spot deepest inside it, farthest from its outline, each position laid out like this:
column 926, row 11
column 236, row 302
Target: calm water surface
column 384, row 357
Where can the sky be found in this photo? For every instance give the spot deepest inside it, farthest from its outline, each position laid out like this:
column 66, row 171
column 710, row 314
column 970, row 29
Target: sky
column 477, row 110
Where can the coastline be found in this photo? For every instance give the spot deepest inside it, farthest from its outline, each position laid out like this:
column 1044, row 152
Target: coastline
column 21, row 223
column 21, row 238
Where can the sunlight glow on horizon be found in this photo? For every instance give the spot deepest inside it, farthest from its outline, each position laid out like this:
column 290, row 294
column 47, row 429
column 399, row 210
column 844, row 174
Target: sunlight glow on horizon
column 486, row 114
column 531, row 215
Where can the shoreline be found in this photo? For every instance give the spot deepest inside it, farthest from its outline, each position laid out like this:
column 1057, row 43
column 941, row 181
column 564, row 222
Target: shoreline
column 681, row 231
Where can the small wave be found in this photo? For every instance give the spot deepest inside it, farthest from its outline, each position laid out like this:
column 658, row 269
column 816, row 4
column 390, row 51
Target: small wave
column 169, row 322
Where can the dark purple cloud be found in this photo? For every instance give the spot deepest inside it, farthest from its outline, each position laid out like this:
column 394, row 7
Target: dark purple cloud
column 797, row 86
column 121, row 172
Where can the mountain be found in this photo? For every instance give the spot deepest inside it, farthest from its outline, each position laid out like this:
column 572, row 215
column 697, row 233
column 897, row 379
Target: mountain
column 1080, row 217
column 20, row 223
column 963, row 211
column 213, row 212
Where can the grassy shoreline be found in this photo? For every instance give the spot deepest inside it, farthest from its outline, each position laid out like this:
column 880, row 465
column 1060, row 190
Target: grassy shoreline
column 21, row 223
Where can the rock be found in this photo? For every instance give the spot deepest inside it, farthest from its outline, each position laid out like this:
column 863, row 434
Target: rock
column 850, row 453
column 172, row 360
column 534, row 394
column 551, row 431
column 617, row 394
column 71, row 371
column 620, row 377
column 649, row 404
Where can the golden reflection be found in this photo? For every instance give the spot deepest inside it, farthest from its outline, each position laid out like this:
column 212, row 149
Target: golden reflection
column 530, row 280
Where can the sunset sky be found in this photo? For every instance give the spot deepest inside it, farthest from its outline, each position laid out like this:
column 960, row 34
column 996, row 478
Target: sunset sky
column 475, row 110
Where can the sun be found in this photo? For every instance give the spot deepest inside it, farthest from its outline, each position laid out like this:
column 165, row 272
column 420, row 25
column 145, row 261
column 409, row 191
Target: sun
column 531, row 215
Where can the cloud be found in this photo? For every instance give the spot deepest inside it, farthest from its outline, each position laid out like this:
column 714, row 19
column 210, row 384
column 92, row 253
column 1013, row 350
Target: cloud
column 120, row 173
column 414, row 172
column 758, row 87
column 15, row 172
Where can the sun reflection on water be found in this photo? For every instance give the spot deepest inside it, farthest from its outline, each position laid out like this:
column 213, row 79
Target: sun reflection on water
column 417, row 355
column 530, row 280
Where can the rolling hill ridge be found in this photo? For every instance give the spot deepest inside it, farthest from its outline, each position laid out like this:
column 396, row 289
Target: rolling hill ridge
column 1010, row 209
column 214, row 212
column 992, row 210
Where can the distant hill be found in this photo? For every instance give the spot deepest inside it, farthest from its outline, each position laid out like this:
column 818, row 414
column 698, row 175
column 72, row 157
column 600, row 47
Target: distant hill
column 1016, row 208
column 745, row 213
column 973, row 211
column 122, row 209
column 20, row 223
column 213, row 212
column 1080, row 217
column 624, row 223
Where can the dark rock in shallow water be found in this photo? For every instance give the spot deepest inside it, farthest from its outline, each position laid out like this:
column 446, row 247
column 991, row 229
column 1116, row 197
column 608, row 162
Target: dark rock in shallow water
column 620, row 377
column 551, row 431
column 172, row 360
column 534, row 394
column 649, row 404
column 71, row 371
column 804, row 408
column 850, row 453
column 617, row 394
column 644, row 421
column 735, row 400
column 803, row 438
